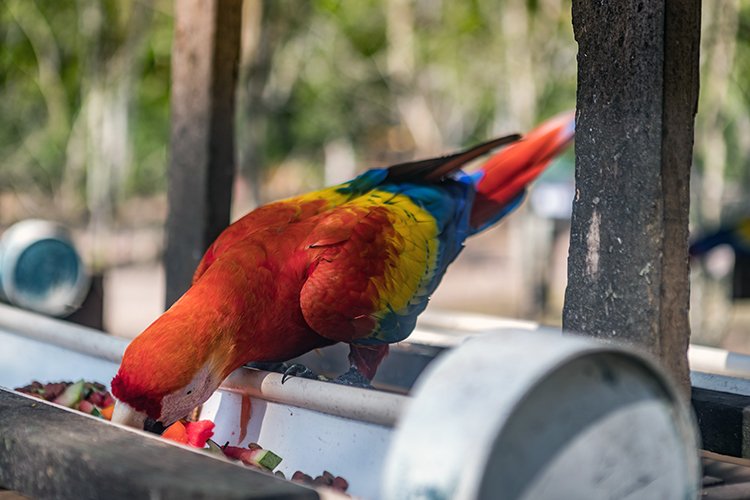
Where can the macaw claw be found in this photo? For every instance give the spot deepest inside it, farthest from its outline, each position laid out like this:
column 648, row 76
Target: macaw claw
column 299, row 370
column 269, row 366
column 353, row 378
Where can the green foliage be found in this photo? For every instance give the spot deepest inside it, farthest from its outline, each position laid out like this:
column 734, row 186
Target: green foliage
column 51, row 55
column 392, row 78
column 334, row 76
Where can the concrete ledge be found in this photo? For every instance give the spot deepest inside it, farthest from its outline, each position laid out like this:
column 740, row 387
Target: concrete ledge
column 47, row 452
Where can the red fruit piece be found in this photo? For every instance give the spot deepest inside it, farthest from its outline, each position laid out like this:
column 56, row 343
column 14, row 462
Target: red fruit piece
column 340, row 484
column 301, row 477
column 199, row 432
column 108, row 400
column 237, row 453
column 86, row 407
column 97, row 399
column 52, row 391
column 35, row 389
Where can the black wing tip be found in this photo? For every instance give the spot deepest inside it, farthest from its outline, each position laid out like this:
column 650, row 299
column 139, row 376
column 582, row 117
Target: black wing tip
column 435, row 169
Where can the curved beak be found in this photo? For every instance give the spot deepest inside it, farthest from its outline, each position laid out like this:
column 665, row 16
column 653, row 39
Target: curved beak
column 124, row 414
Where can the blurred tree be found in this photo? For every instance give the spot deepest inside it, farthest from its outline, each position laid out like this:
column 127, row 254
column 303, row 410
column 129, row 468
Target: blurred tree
column 86, row 86
column 722, row 158
column 81, row 79
column 327, row 87
column 381, row 81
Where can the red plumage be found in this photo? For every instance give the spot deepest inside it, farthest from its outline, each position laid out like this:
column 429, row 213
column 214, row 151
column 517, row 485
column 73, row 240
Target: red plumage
column 319, row 268
column 506, row 175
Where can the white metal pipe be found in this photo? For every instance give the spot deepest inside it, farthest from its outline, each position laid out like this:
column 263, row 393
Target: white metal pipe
column 434, row 328
column 61, row 333
column 350, row 402
column 366, row 405
column 718, row 361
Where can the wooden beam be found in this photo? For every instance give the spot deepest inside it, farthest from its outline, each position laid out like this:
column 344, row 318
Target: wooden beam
column 47, row 452
column 637, row 98
column 724, row 421
column 201, row 169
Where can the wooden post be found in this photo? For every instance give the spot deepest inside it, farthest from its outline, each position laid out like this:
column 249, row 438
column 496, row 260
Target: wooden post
column 201, row 169
column 637, row 98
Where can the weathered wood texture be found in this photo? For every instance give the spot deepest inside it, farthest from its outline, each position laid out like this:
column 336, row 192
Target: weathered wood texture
column 637, row 98
column 47, row 452
column 201, row 169
column 724, row 421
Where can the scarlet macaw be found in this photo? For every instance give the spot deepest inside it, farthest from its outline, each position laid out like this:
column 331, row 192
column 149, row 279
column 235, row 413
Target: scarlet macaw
column 352, row 263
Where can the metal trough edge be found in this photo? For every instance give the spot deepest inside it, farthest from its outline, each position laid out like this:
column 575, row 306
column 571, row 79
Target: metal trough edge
column 62, row 333
column 444, row 329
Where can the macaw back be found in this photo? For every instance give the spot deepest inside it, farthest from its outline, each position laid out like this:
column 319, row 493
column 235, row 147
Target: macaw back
column 336, row 266
column 358, row 262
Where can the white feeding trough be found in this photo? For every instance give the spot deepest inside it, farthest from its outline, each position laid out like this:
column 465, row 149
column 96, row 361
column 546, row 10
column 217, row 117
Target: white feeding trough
column 511, row 414
column 536, row 416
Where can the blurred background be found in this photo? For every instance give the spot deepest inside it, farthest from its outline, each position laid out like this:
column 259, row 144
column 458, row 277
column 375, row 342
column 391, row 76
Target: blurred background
column 327, row 89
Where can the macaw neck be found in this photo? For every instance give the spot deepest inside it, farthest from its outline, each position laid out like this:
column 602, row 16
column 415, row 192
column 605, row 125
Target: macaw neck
column 217, row 311
column 244, row 310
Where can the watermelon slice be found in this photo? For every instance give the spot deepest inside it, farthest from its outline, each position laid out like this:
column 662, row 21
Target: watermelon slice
column 199, row 432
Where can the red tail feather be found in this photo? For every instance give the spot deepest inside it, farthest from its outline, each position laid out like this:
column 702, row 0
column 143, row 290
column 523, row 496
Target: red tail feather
column 506, row 174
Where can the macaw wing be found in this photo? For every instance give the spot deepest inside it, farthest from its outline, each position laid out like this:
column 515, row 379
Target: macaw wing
column 376, row 262
column 301, row 207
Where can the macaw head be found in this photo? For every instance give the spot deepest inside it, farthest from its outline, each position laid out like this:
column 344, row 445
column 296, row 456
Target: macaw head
column 168, row 370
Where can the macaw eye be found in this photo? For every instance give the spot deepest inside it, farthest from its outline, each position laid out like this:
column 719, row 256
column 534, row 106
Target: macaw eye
column 189, row 392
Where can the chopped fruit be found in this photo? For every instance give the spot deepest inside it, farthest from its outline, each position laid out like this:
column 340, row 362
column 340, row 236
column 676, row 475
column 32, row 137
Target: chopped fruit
column 199, row 432
column 51, row 391
column 86, row 407
column 302, row 477
column 107, row 411
column 237, row 453
column 266, row 459
column 339, row 483
column 71, row 395
column 88, row 397
column 176, row 432
column 214, row 448
column 254, row 455
column 325, row 479
column 92, row 398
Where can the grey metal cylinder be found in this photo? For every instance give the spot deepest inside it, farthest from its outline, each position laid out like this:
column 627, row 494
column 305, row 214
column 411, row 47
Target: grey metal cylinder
column 40, row 268
column 533, row 415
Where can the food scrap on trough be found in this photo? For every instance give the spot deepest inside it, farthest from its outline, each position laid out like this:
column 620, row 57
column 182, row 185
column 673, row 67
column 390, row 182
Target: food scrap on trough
column 93, row 398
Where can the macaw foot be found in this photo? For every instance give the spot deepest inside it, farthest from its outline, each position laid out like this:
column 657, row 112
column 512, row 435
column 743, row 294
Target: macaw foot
column 353, row 378
column 268, row 366
column 298, row 370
